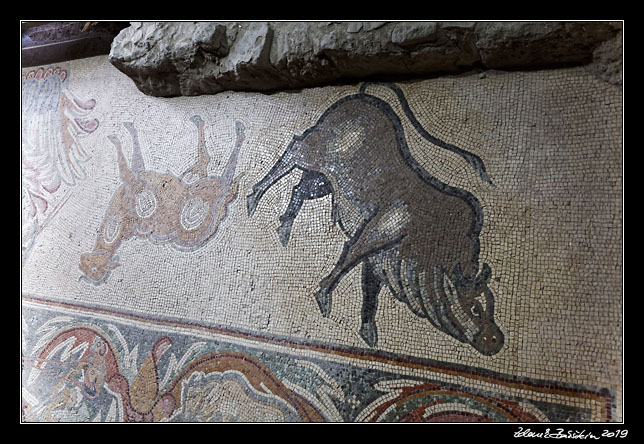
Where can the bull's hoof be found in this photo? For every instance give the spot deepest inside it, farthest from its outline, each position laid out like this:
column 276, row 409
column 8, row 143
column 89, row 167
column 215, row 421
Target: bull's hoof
column 284, row 232
column 369, row 333
column 323, row 298
column 251, row 203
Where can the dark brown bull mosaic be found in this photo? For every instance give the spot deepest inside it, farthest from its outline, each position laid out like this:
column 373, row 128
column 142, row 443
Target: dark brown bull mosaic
column 408, row 230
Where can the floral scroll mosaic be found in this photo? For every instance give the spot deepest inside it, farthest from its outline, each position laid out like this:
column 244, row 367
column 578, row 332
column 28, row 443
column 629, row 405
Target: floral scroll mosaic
column 446, row 250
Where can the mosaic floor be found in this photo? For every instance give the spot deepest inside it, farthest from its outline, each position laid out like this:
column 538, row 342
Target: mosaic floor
column 447, row 250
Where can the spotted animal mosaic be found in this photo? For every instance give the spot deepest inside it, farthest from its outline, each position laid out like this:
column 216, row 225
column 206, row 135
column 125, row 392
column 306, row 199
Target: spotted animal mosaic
column 185, row 211
column 526, row 165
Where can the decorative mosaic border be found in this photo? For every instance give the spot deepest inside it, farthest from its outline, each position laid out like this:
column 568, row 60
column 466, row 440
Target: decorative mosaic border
column 310, row 381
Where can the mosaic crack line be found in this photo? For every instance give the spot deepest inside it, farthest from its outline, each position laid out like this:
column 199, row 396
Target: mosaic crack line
column 408, row 230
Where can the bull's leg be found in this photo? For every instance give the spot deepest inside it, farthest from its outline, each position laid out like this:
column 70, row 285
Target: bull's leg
column 312, row 185
column 371, row 285
column 284, row 165
column 360, row 247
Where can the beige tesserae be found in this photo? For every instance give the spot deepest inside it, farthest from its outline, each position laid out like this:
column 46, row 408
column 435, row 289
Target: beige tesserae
column 445, row 250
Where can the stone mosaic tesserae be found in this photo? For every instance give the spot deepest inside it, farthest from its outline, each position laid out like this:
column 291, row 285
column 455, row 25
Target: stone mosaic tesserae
column 444, row 250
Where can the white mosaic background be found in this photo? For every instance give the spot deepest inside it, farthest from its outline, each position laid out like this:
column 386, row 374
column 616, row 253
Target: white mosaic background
column 551, row 142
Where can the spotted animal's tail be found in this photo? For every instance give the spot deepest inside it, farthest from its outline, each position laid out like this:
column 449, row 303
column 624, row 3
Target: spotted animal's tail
column 474, row 160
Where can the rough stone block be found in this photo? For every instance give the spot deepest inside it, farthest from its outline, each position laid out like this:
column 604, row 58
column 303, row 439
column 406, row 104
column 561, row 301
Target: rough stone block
column 192, row 58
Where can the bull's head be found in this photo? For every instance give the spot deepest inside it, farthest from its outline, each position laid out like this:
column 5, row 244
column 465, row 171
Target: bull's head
column 466, row 309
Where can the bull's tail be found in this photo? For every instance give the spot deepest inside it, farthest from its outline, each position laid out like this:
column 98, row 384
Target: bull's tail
column 474, row 160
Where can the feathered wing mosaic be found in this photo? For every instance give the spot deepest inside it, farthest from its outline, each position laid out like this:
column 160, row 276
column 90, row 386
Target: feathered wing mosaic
column 53, row 123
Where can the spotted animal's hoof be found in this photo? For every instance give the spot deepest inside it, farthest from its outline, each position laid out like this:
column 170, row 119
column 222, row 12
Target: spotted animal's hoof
column 197, row 120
